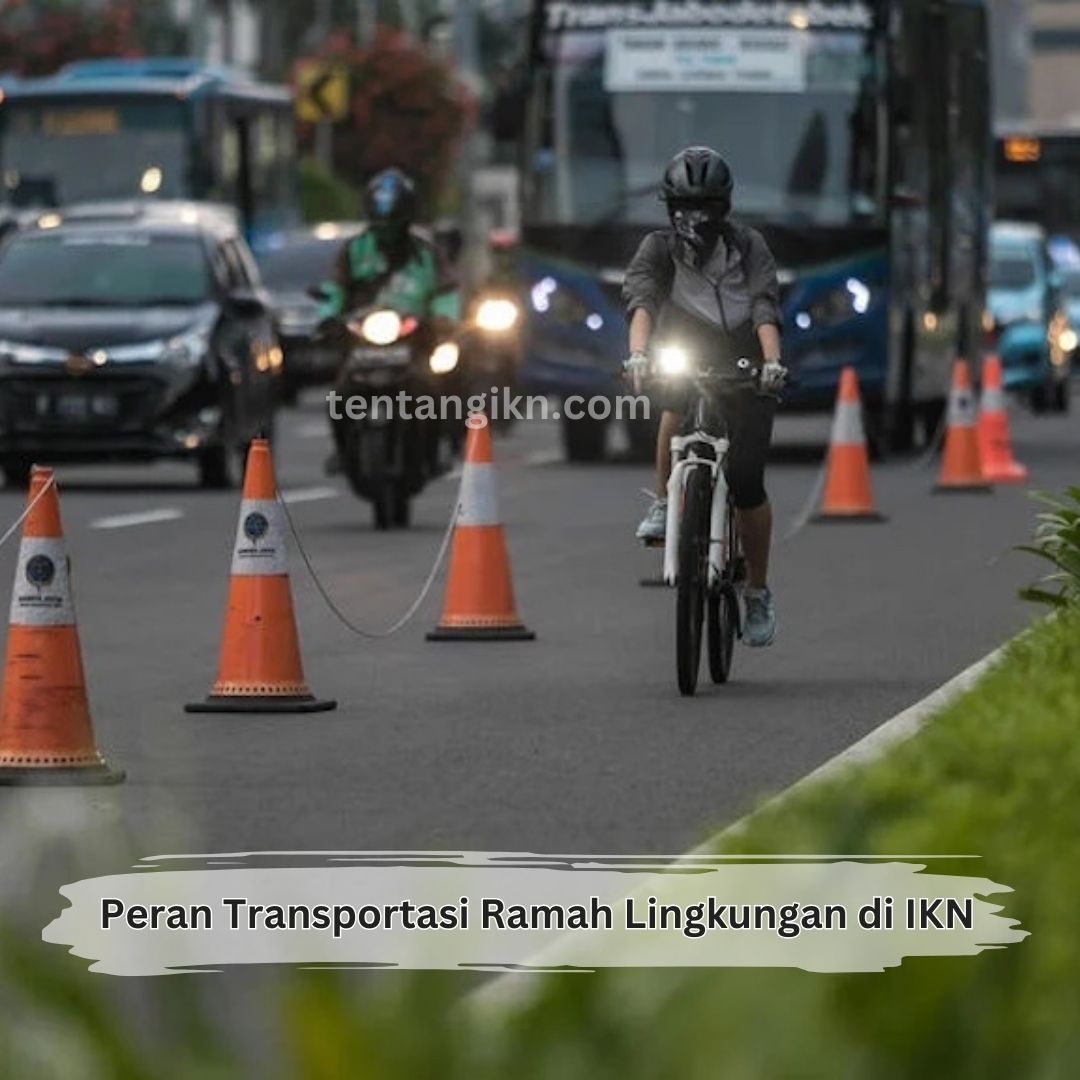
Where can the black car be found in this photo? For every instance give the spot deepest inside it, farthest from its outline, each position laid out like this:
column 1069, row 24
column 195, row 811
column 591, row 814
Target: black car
column 291, row 263
column 133, row 332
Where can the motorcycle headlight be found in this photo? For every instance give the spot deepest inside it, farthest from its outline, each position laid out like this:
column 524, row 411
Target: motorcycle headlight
column 673, row 360
column 381, row 327
column 444, row 359
column 497, row 315
column 1068, row 340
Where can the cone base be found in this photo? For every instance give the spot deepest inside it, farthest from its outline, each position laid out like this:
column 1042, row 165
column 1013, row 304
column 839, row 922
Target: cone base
column 962, row 489
column 239, row 703
column 517, row 632
column 59, row 776
column 825, row 517
column 1018, row 475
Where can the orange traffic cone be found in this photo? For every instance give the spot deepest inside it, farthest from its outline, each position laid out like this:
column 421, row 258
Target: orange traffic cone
column 961, row 466
column 479, row 603
column 46, row 736
column 259, row 670
column 995, row 443
column 847, row 483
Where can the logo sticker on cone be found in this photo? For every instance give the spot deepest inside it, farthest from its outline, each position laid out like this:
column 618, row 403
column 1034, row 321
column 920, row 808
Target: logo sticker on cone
column 995, row 443
column 479, row 603
column 46, row 736
column 847, row 494
column 961, row 465
column 260, row 669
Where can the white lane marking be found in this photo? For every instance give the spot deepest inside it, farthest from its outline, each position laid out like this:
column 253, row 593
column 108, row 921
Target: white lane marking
column 310, row 494
column 144, row 517
column 313, row 429
column 540, row 458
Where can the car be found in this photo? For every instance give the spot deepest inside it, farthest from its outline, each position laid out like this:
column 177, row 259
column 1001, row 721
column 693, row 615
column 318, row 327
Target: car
column 133, row 332
column 292, row 263
column 1025, row 321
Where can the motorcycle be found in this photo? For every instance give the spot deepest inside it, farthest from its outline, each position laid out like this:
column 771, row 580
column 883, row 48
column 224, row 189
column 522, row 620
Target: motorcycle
column 387, row 456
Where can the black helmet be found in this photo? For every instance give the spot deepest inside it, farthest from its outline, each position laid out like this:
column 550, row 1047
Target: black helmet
column 697, row 174
column 390, row 200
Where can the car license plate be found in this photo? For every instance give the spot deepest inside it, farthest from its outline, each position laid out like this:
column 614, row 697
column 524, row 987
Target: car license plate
column 389, row 355
column 86, row 406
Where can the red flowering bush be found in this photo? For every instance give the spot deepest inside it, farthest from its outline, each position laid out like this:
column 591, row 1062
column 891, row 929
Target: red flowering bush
column 39, row 36
column 408, row 108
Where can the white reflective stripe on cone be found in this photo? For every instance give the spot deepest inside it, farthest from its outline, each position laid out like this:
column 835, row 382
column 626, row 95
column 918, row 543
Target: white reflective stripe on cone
column 993, row 399
column 42, row 592
column 847, row 429
column 478, row 500
column 260, row 539
column 961, row 408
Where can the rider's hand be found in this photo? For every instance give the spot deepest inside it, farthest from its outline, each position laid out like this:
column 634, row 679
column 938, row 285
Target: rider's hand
column 636, row 369
column 773, row 378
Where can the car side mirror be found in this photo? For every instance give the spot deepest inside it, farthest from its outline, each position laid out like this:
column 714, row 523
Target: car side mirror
column 246, row 303
column 319, row 293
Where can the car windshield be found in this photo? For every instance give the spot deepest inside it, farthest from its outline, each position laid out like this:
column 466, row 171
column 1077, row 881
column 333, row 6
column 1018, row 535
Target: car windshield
column 1011, row 271
column 296, row 265
column 794, row 111
column 114, row 269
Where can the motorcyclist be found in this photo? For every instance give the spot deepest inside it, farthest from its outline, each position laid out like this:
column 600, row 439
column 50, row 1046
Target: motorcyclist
column 712, row 284
column 392, row 262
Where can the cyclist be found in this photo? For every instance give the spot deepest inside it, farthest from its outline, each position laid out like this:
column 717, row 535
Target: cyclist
column 711, row 284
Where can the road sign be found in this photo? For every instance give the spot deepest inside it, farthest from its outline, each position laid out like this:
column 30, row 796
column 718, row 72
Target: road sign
column 322, row 91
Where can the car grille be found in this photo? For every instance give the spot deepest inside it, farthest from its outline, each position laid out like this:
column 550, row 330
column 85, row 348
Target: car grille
column 80, row 405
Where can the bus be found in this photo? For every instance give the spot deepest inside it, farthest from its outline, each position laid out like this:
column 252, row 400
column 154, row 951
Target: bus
column 101, row 130
column 859, row 135
column 1037, row 176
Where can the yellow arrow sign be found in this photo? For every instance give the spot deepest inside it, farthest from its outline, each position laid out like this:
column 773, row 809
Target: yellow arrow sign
column 322, row 91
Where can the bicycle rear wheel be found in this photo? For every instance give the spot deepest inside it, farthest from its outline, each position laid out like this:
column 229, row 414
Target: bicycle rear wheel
column 693, row 578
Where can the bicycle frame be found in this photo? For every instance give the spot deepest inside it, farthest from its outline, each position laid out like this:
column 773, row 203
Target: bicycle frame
column 682, row 463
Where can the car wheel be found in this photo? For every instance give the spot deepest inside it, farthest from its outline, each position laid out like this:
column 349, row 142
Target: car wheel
column 584, row 440
column 16, row 472
column 642, row 437
column 1061, row 396
column 1040, row 399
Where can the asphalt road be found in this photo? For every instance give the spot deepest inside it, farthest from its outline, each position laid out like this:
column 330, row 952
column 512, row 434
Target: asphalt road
column 577, row 742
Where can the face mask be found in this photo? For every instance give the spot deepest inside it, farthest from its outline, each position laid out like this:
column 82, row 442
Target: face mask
column 700, row 228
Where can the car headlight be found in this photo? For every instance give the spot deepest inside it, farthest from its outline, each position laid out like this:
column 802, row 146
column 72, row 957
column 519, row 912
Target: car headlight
column 186, row 350
column 673, row 360
column 444, row 359
column 17, row 352
column 497, row 315
column 381, row 327
column 847, row 301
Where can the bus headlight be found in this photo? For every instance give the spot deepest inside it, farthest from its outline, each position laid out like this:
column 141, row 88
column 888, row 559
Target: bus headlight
column 444, row 359
column 381, row 327
column 673, row 360
column 497, row 315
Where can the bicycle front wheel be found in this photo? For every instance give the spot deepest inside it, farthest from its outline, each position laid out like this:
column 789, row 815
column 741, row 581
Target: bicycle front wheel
column 693, row 578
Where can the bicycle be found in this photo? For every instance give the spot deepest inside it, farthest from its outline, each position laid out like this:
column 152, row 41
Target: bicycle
column 703, row 555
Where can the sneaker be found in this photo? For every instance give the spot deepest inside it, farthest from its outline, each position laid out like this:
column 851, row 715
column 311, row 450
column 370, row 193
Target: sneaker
column 759, row 628
column 654, row 524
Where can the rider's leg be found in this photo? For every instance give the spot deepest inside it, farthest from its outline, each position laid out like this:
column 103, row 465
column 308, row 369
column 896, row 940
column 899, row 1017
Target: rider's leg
column 669, row 428
column 755, row 529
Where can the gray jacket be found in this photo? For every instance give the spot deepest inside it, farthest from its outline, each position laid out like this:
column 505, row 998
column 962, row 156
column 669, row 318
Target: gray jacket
column 737, row 287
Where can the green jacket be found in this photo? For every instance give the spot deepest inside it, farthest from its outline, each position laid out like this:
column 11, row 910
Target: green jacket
column 422, row 286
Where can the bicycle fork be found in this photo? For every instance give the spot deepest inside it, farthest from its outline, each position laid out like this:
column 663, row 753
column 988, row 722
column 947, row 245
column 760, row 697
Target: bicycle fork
column 682, row 464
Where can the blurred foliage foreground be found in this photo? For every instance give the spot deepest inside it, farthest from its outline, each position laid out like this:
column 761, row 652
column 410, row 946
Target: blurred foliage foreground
column 995, row 775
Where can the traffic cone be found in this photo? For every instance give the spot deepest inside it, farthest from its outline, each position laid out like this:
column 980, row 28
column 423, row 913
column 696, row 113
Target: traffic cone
column 961, row 466
column 847, row 494
column 259, row 670
column 46, row 736
column 995, row 443
column 479, row 603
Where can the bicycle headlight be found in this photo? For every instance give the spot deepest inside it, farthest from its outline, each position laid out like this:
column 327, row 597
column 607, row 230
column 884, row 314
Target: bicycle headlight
column 381, row 327
column 673, row 360
column 444, row 359
column 497, row 315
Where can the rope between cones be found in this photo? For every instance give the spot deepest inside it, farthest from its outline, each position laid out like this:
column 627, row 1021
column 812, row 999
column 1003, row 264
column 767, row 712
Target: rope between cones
column 51, row 482
column 345, row 621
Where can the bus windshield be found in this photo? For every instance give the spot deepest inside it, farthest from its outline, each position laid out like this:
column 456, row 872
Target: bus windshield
column 64, row 151
column 793, row 111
